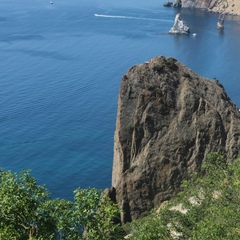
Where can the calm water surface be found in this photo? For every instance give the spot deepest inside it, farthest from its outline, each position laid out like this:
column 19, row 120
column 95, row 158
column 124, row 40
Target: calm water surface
column 60, row 71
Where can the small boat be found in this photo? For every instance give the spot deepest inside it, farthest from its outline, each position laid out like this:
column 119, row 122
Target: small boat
column 51, row 2
column 194, row 34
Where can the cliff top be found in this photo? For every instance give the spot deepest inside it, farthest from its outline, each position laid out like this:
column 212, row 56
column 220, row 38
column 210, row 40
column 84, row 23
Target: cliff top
column 227, row 6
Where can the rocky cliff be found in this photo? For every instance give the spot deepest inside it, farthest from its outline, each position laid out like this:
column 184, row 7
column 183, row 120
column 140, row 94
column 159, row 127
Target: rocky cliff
column 200, row 3
column 224, row 6
column 169, row 118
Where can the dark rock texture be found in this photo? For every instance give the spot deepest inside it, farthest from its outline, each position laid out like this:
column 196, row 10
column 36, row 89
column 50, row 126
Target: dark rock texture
column 169, row 118
column 168, row 4
column 177, row 3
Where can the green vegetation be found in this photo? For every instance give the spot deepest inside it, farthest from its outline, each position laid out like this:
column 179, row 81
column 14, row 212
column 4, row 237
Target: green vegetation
column 169, row 64
column 158, row 68
column 206, row 208
column 27, row 212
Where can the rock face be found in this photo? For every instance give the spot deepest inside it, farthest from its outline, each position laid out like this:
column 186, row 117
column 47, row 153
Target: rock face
column 220, row 23
column 169, row 118
column 223, row 6
column 179, row 27
column 168, row 4
column 177, row 3
column 198, row 3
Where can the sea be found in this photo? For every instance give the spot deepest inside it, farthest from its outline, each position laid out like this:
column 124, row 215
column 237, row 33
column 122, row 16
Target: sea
column 60, row 71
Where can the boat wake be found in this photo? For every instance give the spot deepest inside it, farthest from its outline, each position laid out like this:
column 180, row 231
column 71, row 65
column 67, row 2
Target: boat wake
column 129, row 17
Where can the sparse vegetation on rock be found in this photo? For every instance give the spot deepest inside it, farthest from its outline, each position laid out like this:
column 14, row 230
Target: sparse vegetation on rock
column 206, row 208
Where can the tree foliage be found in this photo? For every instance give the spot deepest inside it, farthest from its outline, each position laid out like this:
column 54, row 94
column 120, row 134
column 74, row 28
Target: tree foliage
column 27, row 212
column 22, row 215
column 207, row 208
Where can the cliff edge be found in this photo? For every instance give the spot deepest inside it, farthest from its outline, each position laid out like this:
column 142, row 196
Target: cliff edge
column 169, row 118
column 223, row 6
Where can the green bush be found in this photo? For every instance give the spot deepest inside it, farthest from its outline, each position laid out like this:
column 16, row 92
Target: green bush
column 27, row 212
column 207, row 208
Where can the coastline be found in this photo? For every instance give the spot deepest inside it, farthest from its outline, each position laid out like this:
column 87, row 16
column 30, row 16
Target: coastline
column 227, row 10
column 228, row 7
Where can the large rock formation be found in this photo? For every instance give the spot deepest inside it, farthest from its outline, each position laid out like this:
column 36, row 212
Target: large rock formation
column 198, row 3
column 179, row 26
column 224, row 6
column 177, row 3
column 220, row 23
column 169, row 118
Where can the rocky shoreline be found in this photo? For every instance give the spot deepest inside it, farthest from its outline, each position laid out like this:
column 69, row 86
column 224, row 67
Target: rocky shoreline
column 227, row 7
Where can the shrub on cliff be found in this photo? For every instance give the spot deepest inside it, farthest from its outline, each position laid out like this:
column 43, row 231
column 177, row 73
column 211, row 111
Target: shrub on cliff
column 207, row 208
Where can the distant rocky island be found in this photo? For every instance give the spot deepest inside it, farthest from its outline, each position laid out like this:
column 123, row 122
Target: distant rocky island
column 179, row 26
column 169, row 118
column 222, row 6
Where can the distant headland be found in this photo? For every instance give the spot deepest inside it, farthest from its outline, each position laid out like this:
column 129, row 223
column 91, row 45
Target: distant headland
column 231, row 7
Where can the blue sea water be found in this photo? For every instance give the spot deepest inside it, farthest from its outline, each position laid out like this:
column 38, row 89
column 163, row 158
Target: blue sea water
column 60, row 71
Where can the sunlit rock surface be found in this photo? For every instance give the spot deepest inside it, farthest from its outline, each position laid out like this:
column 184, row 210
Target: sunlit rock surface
column 169, row 118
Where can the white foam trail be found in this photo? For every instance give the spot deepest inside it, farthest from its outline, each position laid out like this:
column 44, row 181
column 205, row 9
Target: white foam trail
column 127, row 17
